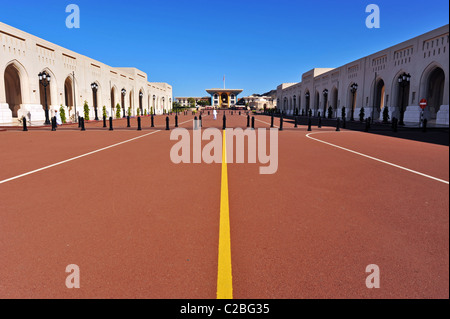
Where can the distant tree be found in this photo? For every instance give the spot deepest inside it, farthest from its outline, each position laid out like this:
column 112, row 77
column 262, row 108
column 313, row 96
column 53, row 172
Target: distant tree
column 203, row 103
column 191, row 102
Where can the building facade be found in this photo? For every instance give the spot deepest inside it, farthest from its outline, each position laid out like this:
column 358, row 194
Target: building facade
column 397, row 78
column 261, row 102
column 73, row 79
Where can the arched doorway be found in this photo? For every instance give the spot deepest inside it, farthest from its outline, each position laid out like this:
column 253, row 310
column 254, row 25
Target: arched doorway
column 13, row 89
column 113, row 98
column 435, row 91
column 325, row 102
column 380, row 94
column 317, row 104
column 307, row 102
column 68, row 94
column 224, row 98
column 294, row 109
column 334, row 100
column 131, row 105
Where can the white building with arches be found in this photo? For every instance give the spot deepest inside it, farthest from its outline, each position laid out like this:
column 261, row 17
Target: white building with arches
column 24, row 56
column 376, row 81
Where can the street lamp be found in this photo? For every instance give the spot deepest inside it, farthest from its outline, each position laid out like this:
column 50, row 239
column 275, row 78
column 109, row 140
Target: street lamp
column 124, row 92
column 94, row 87
column 403, row 81
column 44, row 80
column 325, row 100
column 141, row 95
column 353, row 89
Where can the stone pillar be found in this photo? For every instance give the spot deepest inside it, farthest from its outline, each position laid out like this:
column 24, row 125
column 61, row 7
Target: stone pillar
column 5, row 114
column 442, row 115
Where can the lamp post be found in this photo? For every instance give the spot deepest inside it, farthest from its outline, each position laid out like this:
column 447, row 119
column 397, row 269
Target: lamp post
column 124, row 92
column 325, row 101
column 44, row 80
column 94, row 87
column 353, row 89
column 403, row 81
column 307, row 95
column 141, row 95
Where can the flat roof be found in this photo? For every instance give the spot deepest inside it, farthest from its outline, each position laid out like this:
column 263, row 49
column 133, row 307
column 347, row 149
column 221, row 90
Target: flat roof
column 213, row 91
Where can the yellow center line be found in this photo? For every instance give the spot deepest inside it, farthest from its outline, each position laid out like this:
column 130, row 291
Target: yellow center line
column 224, row 277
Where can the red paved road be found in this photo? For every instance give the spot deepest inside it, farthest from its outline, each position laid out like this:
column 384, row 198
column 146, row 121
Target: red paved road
column 141, row 227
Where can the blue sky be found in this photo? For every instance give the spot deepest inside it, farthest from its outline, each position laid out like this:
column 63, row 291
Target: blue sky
column 256, row 44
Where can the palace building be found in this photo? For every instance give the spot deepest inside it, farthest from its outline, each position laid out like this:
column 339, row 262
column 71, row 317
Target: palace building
column 224, row 98
column 74, row 80
column 397, row 78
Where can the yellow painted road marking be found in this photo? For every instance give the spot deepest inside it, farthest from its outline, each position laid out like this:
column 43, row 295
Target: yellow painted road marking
column 224, row 277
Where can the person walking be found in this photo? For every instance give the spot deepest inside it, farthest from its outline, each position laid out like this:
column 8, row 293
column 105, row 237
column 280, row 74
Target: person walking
column 58, row 118
column 215, row 114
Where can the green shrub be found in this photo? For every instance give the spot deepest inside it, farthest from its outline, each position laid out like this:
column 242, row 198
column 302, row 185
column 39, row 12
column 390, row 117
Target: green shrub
column 104, row 111
column 62, row 113
column 138, row 112
column 86, row 111
column 362, row 115
column 129, row 111
column 344, row 113
column 330, row 112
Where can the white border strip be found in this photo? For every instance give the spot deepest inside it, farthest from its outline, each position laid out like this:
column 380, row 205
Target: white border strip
column 377, row 159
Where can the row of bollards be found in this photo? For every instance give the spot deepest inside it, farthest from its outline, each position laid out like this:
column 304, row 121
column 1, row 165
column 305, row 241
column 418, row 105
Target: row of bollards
column 341, row 123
